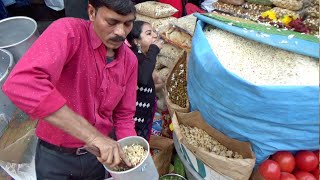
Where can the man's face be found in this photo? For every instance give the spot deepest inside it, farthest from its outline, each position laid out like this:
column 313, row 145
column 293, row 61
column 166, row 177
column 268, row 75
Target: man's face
column 111, row 27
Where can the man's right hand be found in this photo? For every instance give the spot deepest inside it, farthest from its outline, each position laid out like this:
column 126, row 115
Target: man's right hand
column 111, row 153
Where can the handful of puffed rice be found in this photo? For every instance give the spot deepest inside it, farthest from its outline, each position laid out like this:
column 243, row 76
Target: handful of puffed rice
column 135, row 154
column 199, row 138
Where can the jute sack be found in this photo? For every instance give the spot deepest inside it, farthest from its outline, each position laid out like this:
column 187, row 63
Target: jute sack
column 170, row 51
column 158, row 66
column 163, row 73
column 175, row 89
column 229, row 168
column 155, row 9
column 166, row 61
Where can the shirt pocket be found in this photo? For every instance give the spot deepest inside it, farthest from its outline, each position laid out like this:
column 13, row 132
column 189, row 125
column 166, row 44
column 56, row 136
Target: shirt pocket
column 110, row 98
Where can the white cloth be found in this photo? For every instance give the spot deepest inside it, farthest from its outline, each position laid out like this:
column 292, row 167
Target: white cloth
column 207, row 5
column 57, row 5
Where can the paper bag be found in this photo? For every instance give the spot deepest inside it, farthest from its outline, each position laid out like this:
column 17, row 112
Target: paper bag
column 239, row 169
column 163, row 158
column 175, row 85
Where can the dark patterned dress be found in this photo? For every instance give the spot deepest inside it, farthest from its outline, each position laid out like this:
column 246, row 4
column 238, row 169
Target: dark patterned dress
column 145, row 91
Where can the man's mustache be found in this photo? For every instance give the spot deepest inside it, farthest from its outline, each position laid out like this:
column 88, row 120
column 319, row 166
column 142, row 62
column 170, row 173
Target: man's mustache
column 118, row 39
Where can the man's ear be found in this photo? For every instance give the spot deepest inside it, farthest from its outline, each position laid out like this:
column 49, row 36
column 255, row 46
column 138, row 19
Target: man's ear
column 91, row 12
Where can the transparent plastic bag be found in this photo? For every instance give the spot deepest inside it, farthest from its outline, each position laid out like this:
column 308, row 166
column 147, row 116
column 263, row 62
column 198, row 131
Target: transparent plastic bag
column 4, row 121
column 207, row 5
column 18, row 159
column 56, row 5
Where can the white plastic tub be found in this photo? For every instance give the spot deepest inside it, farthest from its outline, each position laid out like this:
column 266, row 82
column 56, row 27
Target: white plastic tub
column 145, row 170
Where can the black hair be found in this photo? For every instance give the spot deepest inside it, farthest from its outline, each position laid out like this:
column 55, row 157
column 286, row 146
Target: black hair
column 123, row 7
column 135, row 32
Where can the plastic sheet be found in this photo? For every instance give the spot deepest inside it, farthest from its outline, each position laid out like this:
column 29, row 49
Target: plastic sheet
column 18, row 159
column 56, row 5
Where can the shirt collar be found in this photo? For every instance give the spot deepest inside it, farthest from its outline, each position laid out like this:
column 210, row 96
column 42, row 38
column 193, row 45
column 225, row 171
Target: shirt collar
column 95, row 40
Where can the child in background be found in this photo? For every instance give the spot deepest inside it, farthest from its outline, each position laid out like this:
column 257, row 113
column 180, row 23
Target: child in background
column 146, row 45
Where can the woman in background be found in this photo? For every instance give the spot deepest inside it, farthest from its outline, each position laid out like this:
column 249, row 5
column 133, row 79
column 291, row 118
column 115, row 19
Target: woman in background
column 146, row 45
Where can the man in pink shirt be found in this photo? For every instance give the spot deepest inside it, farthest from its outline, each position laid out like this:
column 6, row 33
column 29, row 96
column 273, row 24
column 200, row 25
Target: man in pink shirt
column 79, row 79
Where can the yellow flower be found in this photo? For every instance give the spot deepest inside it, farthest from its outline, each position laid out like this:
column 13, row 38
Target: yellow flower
column 286, row 20
column 270, row 14
column 171, row 127
column 294, row 17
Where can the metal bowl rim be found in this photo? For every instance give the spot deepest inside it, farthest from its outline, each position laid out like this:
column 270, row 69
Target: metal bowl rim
column 20, row 17
column 173, row 174
column 10, row 64
column 138, row 165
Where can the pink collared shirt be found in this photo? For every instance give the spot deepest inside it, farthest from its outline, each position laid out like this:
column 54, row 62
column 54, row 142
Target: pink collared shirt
column 67, row 65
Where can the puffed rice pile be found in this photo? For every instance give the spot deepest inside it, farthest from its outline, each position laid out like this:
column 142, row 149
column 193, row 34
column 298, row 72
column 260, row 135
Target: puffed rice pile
column 135, row 153
column 259, row 63
column 199, row 138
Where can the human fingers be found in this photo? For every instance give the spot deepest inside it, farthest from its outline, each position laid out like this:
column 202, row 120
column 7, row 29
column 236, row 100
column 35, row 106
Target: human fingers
column 123, row 156
column 110, row 157
column 116, row 157
column 104, row 158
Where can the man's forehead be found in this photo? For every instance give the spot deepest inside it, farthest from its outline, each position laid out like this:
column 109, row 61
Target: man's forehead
column 110, row 14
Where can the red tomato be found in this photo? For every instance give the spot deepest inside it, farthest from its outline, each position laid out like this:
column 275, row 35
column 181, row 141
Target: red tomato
column 303, row 175
column 285, row 160
column 316, row 153
column 306, row 161
column 287, row 176
column 270, row 170
column 316, row 173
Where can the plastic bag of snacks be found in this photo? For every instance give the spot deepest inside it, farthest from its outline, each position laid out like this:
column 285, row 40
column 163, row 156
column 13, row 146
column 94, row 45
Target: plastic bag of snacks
column 262, row 2
column 166, row 132
column 186, row 23
column 233, row 2
column 156, row 24
column 155, row 9
column 288, row 4
column 280, row 12
column 177, row 37
column 157, row 125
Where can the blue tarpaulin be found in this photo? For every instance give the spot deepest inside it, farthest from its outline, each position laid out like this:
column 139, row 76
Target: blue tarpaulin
column 272, row 118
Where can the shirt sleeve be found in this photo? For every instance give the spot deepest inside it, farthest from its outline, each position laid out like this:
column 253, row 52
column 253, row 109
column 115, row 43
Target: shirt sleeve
column 125, row 110
column 147, row 64
column 31, row 84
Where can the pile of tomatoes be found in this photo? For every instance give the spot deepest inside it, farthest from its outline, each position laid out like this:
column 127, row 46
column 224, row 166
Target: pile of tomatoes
column 283, row 165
